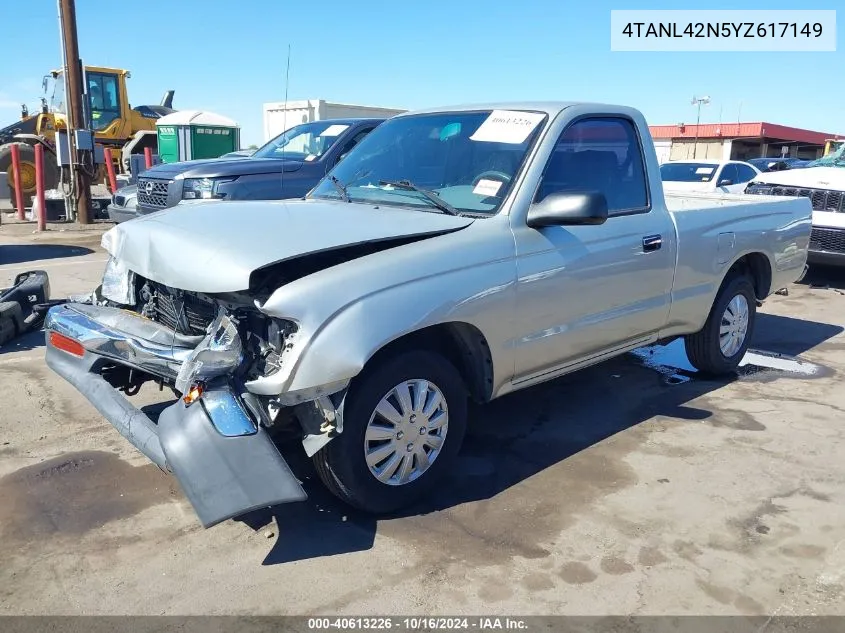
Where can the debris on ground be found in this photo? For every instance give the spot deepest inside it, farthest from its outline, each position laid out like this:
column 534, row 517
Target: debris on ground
column 18, row 313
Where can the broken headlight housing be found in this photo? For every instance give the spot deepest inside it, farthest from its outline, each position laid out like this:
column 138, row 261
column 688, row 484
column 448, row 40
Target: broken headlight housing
column 219, row 353
column 118, row 283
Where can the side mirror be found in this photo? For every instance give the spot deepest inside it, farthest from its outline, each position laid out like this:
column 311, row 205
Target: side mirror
column 726, row 182
column 568, row 209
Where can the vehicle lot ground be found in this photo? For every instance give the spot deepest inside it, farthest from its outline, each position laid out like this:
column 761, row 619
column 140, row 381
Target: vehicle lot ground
column 611, row 491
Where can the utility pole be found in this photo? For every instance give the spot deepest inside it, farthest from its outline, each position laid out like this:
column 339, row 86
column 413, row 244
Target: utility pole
column 76, row 113
column 699, row 101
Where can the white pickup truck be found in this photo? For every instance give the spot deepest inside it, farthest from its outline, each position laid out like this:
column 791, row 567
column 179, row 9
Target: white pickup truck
column 455, row 253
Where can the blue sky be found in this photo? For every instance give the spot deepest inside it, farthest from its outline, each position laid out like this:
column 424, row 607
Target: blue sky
column 229, row 57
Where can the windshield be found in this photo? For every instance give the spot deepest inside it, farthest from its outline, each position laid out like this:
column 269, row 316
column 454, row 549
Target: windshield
column 57, row 101
column 468, row 160
column 687, row 172
column 304, row 142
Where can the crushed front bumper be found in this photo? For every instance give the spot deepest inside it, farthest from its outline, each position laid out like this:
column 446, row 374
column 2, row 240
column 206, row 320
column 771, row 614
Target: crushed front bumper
column 224, row 461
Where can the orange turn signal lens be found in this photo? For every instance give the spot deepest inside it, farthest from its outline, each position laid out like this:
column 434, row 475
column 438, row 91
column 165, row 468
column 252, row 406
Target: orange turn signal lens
column 193, row 394
column 67, row 344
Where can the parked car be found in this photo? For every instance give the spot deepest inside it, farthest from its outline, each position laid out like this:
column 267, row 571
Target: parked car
column 825, row 187
column 286, row 167
column 705, row 175
column 456, row 252
column 777, row 164
column 124, row 204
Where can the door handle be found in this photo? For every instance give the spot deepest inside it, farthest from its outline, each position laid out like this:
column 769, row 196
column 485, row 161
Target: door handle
column 652, row 243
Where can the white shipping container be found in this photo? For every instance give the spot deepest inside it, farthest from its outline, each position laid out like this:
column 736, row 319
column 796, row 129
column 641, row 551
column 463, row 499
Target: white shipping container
column 277, row 118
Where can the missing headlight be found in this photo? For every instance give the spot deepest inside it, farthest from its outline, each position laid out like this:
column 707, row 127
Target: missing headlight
column 118, row 283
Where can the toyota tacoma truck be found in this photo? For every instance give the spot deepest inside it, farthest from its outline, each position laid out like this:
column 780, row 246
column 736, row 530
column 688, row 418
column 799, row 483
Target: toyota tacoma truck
column 455, row 254
column 287, row 166
column 824, row 186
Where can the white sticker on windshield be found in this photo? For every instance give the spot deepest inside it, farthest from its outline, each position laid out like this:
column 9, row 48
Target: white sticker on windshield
column 507, row 126
column 310, row 157
column 333, row 130
column 705, row 171
column 487, row 187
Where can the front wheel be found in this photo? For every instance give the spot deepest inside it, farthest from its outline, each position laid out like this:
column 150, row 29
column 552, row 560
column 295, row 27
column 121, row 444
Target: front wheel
column 27, row 173
column 721, row 344
column 403, row 423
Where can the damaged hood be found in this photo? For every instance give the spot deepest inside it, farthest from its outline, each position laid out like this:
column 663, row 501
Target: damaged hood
column 214, row 247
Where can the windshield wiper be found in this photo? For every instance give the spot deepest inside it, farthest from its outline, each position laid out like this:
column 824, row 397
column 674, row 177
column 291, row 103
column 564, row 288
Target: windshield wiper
column 341, row 188
column 432, row 197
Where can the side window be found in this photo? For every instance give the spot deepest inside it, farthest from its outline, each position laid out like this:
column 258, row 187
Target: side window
column 599, row 154
column 745, row 173
column 729, row 172
column 352, row 143
column 103, row 100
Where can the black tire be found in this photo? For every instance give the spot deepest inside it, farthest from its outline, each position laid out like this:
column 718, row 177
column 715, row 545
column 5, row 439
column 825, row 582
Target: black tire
column 703, row 348
column 341, row 464
column 11, row 321
column 27, row 154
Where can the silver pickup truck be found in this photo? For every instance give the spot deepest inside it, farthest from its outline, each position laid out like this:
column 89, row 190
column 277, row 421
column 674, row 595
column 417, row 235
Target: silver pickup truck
column 455, row 253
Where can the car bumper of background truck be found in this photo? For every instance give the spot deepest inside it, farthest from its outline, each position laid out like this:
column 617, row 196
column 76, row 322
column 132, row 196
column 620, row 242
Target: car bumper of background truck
column 225, row 463
column 826, row 258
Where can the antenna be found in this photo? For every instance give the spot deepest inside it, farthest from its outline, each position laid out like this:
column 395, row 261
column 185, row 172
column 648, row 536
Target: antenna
column 285, row 116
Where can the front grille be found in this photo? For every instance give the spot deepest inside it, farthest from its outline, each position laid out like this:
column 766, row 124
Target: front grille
column 182, row 311
column 152, row 193
column 822, row 199
column 828, row 240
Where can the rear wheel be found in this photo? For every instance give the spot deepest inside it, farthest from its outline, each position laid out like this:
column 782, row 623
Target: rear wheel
column 403, row 423
column 721, row 344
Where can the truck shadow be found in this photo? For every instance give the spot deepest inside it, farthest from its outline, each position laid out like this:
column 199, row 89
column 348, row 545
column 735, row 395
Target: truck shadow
column 20, row 253
column 825, row 277
column 519, row 436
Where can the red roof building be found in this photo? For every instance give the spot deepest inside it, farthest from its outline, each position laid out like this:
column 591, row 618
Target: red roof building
column 738, row 141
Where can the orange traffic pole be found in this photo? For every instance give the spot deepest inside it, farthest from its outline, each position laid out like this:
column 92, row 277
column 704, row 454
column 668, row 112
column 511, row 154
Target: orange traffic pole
column 16, row 178
column 110, row 169
column 39, row 187
column 148, row 157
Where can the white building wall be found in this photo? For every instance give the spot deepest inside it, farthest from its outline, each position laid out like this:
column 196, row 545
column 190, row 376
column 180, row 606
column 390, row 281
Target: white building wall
column 662, row 148
column 277, row 118
column 727, row 146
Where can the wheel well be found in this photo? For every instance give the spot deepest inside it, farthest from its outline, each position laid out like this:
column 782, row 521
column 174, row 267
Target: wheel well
column 461, row 343
column 756, row 266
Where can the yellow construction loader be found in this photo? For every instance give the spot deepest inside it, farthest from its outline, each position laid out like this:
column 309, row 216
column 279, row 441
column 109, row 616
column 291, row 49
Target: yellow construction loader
column 832, row 145
column 115, row 124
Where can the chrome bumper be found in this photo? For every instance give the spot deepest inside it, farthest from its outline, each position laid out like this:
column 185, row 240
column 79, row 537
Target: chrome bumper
column 123, row 336
column 225, row 462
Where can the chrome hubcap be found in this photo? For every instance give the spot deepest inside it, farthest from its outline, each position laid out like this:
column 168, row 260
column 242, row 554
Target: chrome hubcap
column 734, row 326
column 406, row 432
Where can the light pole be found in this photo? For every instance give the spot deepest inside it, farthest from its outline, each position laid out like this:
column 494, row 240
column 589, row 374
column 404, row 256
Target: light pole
column 699, row 101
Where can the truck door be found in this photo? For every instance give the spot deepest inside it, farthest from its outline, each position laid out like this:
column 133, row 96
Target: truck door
column 584, row 291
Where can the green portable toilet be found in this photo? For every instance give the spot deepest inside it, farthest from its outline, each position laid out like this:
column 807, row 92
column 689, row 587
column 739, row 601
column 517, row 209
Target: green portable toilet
column 192, row 134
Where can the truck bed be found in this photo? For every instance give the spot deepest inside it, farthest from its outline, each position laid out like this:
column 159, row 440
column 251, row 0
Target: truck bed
column 680, row 201
column 730, row 226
